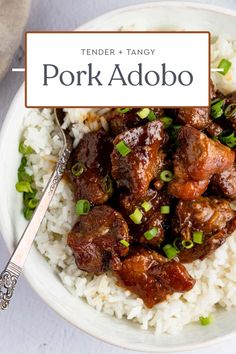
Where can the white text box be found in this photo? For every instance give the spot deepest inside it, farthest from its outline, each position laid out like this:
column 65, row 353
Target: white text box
column 117, row 69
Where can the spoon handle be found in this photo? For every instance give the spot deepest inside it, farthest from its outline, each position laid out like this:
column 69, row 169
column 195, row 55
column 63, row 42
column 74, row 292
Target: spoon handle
column 10, row 275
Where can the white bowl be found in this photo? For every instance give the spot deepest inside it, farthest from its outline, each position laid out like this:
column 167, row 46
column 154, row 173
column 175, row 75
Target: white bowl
column 161, row 15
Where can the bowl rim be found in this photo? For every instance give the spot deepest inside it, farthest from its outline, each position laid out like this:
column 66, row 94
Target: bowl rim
column 179, row 4
column 87, row 26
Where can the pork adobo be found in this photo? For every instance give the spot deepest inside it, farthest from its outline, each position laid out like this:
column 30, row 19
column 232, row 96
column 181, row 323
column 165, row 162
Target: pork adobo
column 153, row 193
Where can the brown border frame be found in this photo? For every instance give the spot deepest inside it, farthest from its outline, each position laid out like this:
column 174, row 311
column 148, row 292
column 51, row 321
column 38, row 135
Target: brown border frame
column 75, row 32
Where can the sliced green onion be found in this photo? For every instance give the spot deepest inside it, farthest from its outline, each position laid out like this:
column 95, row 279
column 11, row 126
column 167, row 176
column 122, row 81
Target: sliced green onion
column 28, row 213
column 25, row 150
column 230, row 111
column 107, row 185
column 151, row 116
column 174, row 132
column 23, row 176
column 136, row 216
column 124, row 243
column 123, row 110
column 122, row 148
column 28, row 196
column 77, row 169
column 187, row 244
column 146, row 206
column 32, row 204
column 205, row 321
column 82, row 207
column 23, row 186
column 167, row 121
column 143, row 113
column 176, row 127
column 177, row 240
column 165, row 209
column 150, row 234
column 170, row 251
column 217, row 109
column 198, row 237
column 225, row 65
column 23, row 162
column 166, row 176
column 229, row 140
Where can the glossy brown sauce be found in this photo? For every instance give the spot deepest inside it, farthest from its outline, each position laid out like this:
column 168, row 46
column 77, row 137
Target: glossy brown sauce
column 196, row 199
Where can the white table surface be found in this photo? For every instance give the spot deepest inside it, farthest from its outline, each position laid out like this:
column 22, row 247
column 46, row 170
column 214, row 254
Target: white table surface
column 30, row 326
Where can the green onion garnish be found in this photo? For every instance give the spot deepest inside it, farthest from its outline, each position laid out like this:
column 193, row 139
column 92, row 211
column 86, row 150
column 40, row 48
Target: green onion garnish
column 198, row 237
column 150, row 234
column 166, row 176
column 23, row 186
column 170, row 251
column 25, row 182
column 28, row 196
column 23, row 162
column 225, row 65
column 23, row 176
column 146, row 206
column 32, row 204
column 122, row 148
column 136, row 216
column 82, row 207
column 124, row 243
column 174, row 133
column 217, row 109
column 167, row 121
column 165, row 209
column 228, row 137
column 230, row 111
column 77, row 169
column 28, row 213
column 143, row 113
column 25, row 150
column 151, row 116
column 123, row 110
column 177, row 240
column 187, row 244
column 205, row 321
column 107, row 185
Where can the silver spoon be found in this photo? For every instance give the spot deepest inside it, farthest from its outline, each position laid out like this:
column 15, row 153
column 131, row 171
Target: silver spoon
column 10, row 275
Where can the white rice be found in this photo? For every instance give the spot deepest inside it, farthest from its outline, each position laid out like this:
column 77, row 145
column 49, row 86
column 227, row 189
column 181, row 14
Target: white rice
column 221, row 48
column 216, row 275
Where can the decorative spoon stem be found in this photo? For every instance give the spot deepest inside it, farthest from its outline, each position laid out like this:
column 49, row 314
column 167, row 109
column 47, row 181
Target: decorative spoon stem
column 11, row 273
